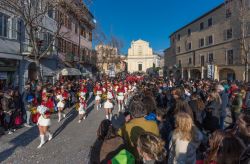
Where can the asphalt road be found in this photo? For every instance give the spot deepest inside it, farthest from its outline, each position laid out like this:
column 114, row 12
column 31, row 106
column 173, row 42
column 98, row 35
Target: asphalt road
column 71, row 143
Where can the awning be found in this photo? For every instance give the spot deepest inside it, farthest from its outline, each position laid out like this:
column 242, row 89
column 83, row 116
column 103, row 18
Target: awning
column 70, row 72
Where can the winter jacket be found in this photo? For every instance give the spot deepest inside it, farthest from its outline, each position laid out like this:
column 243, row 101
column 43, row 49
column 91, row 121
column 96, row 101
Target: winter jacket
column 133, row 129
column 183, row 151
column 7, row 104
column 224, row 105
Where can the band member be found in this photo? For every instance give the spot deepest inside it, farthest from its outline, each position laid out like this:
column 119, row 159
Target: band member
column 108, row 106
column 43, row 124
column 82, row 107
column 120, row 97
column 60, row 105
column 98, row 92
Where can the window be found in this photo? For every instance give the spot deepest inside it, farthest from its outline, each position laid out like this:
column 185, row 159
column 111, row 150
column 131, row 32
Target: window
column 189, row 46
column 50, row 11
column 201, row 42
column 201, row 26
column 210, row 22
column 210, row 57
column 140, row 67
column 228, row 12
column 248, row 28
column 76, row 28
column 230, row 57
column 190, row 61
column 178, row 37
column 179, row 63
column 140, row 50
column 202, row 61
column 3, row 25
column 90, row 36
column 14, row 28
column 189, row 32
column 210, row 40
column 229, row 34
column 178, row 49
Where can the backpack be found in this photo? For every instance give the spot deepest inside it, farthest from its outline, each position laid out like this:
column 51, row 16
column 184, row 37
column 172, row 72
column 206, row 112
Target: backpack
column 123, row 157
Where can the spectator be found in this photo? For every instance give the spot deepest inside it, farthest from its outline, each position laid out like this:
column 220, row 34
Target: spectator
column 164, row 125
column 230, row 150
column 151, row 148
column 214, row 144
column 8, row 107
column 108, row 143
column 185, row 140
column 135, row 127
column 224, row 104
column 198, row 108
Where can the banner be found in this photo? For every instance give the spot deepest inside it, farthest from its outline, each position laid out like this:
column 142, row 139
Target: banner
column 210, row 71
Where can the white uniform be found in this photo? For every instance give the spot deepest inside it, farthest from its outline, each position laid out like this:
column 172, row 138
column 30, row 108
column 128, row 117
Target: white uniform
column 98, row 95
column 60, row 104
column 43, row 121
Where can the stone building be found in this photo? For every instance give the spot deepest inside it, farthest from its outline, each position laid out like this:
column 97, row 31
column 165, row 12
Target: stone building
column 210, row 46
column 107, row 58
column 141, row 57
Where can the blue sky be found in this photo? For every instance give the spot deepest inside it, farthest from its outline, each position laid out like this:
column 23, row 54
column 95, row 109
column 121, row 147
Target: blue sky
column 150, row 20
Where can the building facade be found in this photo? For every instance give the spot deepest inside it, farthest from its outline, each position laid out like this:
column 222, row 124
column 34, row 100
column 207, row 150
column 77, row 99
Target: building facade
column 10, row 55
column 141, row 58
column 71, row 46
column 210, row 46
column 107, row 58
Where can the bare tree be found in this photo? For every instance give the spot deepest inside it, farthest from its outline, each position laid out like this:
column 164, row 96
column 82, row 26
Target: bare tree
column 242, row 6
column 34, row 14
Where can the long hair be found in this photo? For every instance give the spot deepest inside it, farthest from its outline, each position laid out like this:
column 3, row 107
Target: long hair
column 152, row 145
column 230, row 150
column 183, row 106
column 184, row 126
column 215, row 96
column 103, row 129
column 214, row 142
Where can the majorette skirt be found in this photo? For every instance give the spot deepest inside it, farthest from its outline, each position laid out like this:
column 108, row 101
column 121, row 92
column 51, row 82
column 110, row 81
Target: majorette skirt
column 120, row 97
column 60, row 104
column 97, row 97
column 108, row 105
column 43, row 121
column 81, row 110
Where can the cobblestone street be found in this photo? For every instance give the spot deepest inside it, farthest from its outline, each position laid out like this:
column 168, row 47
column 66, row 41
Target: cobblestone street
column 71, row 143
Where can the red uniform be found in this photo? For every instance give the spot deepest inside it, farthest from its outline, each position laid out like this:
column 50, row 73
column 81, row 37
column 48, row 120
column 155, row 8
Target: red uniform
column 120, row 90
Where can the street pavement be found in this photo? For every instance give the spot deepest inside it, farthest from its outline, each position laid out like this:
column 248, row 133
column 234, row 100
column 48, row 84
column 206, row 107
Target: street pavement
column 71, row 143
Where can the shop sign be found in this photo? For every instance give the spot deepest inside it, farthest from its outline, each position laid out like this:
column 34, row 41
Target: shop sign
column 3, row 75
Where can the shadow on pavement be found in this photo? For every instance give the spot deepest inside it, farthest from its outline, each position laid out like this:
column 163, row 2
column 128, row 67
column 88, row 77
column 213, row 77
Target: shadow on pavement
column 69, row 117
column 21, row 140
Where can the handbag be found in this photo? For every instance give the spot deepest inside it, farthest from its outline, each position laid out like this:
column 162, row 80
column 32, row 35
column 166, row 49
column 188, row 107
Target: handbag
column 18, row 120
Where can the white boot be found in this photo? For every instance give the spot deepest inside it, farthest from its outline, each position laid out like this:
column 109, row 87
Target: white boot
column 42, row 142
column 110, row 117
column 59, row 116
column 49, row 136
column 122, row 107
column 107, row 116
column 119, row 107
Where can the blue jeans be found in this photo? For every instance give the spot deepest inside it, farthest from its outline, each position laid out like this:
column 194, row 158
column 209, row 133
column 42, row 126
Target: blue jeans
column 222, row 120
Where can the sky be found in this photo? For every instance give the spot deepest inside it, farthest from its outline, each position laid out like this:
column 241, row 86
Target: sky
column 149, row 20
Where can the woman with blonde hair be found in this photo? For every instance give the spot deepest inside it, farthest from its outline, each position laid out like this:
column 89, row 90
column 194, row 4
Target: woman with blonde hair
column 151, row 148
column 185, row 140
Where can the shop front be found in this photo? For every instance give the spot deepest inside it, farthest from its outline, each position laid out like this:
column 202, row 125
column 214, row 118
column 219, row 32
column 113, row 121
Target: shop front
column 8, row 73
